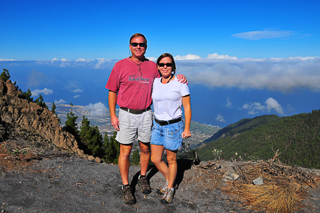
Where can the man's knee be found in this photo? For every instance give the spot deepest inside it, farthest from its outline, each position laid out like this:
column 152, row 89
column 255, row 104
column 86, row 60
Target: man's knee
column 125, row 151
column 124, row 155
column 145, row 148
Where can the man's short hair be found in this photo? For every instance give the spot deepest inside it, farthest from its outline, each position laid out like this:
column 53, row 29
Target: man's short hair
column 136, row 35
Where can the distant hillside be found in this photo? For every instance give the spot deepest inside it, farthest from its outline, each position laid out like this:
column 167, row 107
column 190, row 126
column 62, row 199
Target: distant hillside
column 199, row 131
column 297, row 138
column 240, row 126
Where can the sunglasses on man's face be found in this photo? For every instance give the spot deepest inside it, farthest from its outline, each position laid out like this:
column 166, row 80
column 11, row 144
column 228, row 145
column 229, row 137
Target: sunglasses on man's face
column 168, row 64
column 136, row 44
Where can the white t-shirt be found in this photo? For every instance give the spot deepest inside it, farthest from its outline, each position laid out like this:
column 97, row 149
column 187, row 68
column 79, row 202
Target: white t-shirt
column 167, row 99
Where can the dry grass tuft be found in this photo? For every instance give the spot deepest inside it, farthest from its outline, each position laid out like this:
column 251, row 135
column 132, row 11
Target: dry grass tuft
column 282, row 198
column 285, row 188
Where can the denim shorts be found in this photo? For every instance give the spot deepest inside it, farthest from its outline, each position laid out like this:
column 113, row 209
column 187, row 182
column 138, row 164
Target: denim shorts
column 169, row 136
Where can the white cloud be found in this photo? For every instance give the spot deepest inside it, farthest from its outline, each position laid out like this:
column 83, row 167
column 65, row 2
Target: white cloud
column 254, row 108
column 187, row 57
column 273, row 104
column 220, row 118
column 77, row 90
column 83, row 60
column 62, row 62
column 2, row 59
column 265, row 34
column 97, row 109
column 45, row 91
column 101, row 61
column 61, row 101
column 276, row 74
column 152, row 58
column 55, row 59
column 223, row 57
column 76, row 96
column 229, row 103
column 270, row 104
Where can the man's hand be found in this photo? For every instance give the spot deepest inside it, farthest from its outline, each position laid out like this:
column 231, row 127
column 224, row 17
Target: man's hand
column 181, row 78
column 115, row 122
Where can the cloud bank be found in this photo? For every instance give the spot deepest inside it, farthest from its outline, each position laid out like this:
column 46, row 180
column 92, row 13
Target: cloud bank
column 275, row 74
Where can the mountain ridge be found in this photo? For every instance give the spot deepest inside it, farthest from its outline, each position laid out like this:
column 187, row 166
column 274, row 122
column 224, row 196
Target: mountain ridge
column 296, row 137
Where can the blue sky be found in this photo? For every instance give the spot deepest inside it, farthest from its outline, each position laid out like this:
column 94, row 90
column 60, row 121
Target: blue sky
column 242, row 58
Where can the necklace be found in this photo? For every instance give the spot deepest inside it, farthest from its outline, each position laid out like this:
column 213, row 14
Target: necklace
column 169, row 79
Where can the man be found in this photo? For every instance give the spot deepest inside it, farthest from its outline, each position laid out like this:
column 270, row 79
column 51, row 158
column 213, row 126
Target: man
column 130, row 86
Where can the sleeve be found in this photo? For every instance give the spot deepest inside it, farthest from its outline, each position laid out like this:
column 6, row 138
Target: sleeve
column 113, row 82
column 184, row 90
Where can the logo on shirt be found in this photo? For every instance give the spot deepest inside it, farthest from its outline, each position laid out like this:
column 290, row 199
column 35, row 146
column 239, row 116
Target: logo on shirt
column 141, row 79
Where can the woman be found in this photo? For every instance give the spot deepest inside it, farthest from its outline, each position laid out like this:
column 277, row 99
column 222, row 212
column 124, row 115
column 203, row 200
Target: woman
column 168, row 129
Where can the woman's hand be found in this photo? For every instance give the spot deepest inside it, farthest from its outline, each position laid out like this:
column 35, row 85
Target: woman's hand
column 186, row 134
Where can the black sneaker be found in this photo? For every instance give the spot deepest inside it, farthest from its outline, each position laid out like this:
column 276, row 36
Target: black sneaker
column 144, row 184
column 127, row 195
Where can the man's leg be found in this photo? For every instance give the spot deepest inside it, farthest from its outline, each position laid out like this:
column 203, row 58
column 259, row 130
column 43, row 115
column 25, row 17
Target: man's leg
column 144, row 164
column 124, row 162
column 144, row 157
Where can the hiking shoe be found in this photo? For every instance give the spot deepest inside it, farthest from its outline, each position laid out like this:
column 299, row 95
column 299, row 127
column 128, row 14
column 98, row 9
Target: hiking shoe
column 144, row 184
column 162, row 190
column 127, row 195
column 168, row 196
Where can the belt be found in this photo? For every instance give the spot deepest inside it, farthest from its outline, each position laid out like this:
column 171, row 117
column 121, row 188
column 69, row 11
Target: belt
column 163, row 123
column 134, row 111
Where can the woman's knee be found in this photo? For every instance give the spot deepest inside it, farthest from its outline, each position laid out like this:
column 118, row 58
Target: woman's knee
column 155, row 159
column 171, row 158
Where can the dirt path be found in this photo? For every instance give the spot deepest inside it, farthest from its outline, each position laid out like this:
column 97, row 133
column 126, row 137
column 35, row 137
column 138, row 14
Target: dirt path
column 60, row 182
column 76, row 185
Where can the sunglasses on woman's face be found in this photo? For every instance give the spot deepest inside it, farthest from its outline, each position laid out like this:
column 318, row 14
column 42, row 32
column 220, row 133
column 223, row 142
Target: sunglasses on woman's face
column 136, row 44
column 162, row 64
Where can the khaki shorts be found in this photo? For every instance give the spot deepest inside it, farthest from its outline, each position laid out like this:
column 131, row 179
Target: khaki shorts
column 134, row 126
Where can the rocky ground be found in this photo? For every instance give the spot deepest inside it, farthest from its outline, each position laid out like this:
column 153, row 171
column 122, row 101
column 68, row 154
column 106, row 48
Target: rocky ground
column 36, row 180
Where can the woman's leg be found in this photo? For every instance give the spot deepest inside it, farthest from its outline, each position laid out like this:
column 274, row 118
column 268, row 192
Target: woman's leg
column 173, row 167
column 156, row 158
